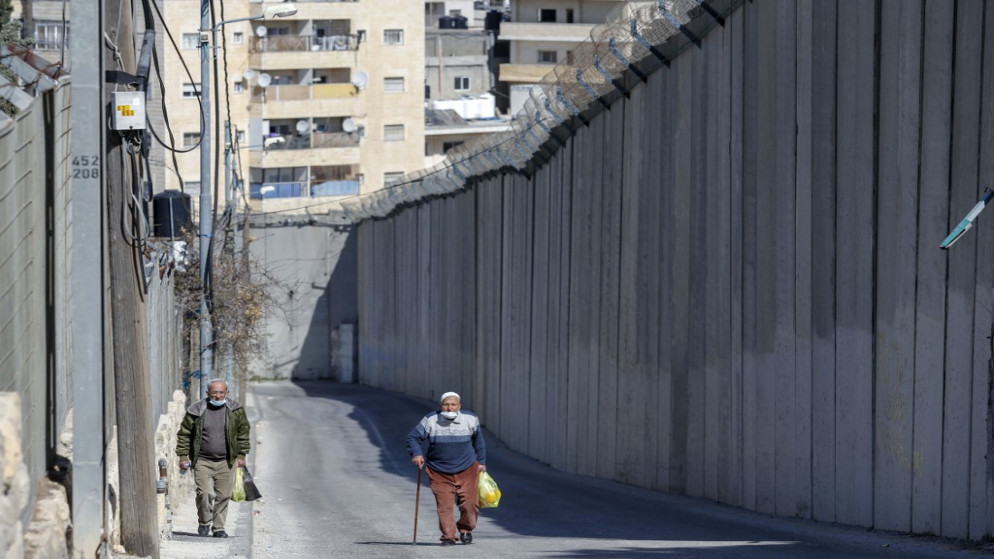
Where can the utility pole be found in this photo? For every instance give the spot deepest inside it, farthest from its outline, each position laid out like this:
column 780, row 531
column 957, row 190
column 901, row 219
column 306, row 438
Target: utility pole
column 206, row 205
column 87, row 325
column 132, row 385
column 206, row 212
column 229, row 373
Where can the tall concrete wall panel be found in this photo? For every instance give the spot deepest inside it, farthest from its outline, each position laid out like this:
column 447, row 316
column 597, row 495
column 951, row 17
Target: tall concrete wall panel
column 312, row 265
column 727, row 284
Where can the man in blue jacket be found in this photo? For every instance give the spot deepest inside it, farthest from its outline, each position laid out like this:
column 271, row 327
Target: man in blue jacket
column 450, row 443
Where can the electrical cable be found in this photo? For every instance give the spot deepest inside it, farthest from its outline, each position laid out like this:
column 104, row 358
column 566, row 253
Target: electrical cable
column 158, row 72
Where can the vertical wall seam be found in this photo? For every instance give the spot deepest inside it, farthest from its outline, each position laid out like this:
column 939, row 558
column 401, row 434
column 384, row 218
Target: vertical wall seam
column 918, row 219
column 945, row 329
column 875, row 228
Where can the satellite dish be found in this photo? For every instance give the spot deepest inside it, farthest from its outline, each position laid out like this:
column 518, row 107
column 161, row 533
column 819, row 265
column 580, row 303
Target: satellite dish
column 349, row 125
column 261, row 31
column 303, row 126
column 360, row 79
column 265, row 80
column 249, row 74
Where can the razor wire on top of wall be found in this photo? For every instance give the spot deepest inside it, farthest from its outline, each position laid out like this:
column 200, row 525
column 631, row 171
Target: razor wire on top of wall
column 638, row 38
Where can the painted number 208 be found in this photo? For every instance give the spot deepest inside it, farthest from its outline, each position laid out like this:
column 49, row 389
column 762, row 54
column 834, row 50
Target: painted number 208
column 86, row 167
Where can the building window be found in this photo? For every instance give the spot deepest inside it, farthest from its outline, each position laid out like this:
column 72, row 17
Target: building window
column 461, row 83
column 547, row 16
column 240, row 136
column 446, row 146
column 393, row 85
column 191, row 40
column 389, row 178
column 238, row 87
column 238, row 37
column 393, row 133
column 547, row 57
column 48, row 35
column 569, row 15
column 393, row 36
column 191, row 90
column 191, row 139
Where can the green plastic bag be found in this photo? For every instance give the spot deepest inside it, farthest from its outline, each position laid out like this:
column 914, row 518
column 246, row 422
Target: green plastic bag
column 488, row 491
column 238, row 493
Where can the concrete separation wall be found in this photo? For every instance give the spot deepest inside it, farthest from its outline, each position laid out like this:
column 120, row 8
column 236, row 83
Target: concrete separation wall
column 309, row 265
column 727, row 283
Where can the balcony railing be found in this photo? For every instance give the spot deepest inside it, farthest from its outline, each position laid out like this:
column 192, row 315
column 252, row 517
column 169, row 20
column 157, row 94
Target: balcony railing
column 303, row 92
column 268, row 190
column 302, row 43
column 317, row 140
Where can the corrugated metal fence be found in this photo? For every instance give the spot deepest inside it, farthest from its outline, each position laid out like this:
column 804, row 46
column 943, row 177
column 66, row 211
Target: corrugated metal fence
column 37, row 288
column 724, row 281
column 34, row 181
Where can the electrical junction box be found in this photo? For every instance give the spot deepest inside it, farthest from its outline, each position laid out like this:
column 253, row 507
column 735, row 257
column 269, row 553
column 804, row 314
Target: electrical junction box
column 129, row 110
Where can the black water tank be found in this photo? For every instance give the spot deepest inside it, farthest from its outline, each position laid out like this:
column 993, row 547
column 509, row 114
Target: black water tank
column 171, row 211
column 492, row 21
column 460, row 22
column 446, row 22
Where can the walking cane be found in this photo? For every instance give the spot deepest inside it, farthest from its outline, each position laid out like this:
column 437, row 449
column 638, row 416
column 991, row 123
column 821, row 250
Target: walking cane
column 417, row 501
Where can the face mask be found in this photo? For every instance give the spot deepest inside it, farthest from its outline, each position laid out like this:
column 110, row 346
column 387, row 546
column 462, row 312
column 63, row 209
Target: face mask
column 450, row 415
column 219, row 402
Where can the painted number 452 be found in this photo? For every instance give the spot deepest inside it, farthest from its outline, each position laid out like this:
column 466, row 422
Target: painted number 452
column 86, row 167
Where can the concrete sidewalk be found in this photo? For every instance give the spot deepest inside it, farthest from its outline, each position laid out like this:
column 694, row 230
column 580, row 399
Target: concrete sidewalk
column 180, row 539
column 179, row 536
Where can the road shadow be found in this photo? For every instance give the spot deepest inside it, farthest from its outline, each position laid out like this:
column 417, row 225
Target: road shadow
column 541, row 502
column 537, row 499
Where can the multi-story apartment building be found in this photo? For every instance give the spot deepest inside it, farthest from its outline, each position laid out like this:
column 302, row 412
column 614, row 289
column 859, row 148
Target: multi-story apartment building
column 541, row 34
column 323, row 104
column 42, row 21
column 459, row 90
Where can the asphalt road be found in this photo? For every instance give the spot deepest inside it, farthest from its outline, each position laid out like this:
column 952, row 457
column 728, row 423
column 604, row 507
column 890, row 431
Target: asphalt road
column 337, row 482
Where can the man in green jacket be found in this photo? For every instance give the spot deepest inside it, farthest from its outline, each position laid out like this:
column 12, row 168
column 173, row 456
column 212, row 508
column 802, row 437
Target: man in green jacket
column 213, row 440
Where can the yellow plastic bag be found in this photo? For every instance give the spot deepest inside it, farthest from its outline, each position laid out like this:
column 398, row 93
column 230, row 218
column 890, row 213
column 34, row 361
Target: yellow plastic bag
column 488, row 491
column 238, row 493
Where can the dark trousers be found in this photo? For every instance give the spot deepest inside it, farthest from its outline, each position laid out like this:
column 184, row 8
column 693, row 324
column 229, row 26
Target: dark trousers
column 452, row 490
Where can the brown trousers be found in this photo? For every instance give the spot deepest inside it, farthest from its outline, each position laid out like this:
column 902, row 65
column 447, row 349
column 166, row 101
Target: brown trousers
column 452, row 490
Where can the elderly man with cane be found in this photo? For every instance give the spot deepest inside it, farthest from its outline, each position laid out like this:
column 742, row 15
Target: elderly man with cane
column 450, row 443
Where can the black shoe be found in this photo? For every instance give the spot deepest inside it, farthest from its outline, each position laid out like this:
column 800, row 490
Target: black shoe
column 466, row 537
column 446, row 543
column 220, row 534
column 204, row 530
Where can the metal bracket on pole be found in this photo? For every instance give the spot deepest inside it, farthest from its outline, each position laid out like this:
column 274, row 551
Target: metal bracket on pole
column 711, row 12
column 634, row 28
column 607, row 75
column 590, row 90
column 548, row 107
column 570, row 106
column 668, row 15
column 613, row 46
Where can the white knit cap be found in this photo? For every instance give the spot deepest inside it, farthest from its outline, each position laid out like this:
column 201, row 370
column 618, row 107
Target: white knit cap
column 448, row 394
